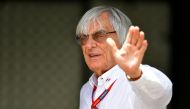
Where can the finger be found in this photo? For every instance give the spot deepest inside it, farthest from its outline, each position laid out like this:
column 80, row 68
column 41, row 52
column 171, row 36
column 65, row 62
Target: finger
column 112, row 45
column 140, row 40
column 143, row 47
column 142, row 50
column 135, row 36
column 129, row 34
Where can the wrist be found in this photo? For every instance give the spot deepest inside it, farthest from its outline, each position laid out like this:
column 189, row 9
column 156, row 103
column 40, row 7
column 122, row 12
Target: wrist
column 135, row 77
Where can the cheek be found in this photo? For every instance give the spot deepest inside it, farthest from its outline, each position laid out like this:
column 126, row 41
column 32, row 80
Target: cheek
column 108, row 55
column 84, row 53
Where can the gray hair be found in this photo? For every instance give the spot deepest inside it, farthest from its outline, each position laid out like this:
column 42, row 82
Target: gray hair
column 118, row 19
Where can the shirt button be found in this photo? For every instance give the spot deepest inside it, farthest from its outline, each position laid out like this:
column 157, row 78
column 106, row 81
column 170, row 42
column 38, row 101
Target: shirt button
column 108, row 79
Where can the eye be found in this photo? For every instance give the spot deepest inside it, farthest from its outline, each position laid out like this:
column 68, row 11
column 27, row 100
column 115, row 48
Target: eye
column 83, row 37
column 100, row 35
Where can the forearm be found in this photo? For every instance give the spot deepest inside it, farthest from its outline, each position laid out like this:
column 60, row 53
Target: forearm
column 153, row 86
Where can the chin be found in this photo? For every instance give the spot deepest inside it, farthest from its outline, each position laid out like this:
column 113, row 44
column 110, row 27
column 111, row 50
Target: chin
column 99, row 68
column 94, row 66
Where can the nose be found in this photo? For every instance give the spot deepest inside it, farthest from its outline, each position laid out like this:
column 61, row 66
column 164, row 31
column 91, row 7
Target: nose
column 91, row 43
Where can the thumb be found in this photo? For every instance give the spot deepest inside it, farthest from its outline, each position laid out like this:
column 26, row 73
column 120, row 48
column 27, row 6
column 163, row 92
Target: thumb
column 112, row 45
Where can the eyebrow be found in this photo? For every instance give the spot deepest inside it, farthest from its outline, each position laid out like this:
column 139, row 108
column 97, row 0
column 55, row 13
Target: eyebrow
column 95, row 33
column 98, row 32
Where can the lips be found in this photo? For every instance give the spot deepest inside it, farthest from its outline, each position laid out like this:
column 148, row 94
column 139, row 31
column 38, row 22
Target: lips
column 94, row 55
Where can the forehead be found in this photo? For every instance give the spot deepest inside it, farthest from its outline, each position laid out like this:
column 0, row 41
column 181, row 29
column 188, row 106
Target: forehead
column 102, row 22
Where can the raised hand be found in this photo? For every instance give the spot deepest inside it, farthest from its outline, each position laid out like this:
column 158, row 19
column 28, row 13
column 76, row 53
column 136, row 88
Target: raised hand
column 130, row 55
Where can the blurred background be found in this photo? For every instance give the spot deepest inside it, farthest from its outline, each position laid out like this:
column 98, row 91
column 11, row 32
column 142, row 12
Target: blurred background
column 41, row 65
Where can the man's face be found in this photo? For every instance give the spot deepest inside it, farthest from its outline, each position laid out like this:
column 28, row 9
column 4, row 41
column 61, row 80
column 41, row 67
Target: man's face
column 98, row 55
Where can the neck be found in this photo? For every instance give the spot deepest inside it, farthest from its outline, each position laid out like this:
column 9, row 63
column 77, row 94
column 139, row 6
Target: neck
column 101, row 72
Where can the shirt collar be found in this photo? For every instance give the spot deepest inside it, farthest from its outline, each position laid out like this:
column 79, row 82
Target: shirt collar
column 107, row 78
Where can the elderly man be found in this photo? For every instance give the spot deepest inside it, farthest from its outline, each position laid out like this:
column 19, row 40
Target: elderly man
column 113, row 49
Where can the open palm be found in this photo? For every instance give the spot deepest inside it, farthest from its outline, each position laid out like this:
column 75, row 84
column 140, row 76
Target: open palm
column 130, row 55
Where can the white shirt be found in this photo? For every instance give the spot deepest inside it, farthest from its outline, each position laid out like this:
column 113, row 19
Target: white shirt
column 152, row 91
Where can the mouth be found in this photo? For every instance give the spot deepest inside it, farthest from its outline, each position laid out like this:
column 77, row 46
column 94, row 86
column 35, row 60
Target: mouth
column 94, row 56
